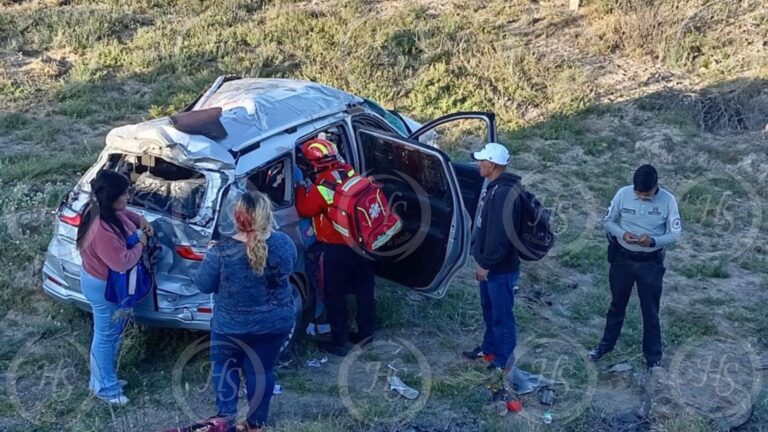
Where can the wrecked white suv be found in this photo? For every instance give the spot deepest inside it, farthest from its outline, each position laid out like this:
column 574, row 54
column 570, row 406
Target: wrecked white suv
column 244, row 133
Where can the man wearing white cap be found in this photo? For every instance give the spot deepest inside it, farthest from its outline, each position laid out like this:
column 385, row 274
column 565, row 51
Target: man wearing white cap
column 498, row 264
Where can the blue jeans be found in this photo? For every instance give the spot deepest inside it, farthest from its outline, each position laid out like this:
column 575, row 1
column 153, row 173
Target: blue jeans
column 107, row 329
column 497, row 297
column 256, row 355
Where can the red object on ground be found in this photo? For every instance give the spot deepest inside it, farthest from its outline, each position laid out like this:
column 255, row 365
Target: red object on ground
column 213, row 424
column 515, row 406
column 489, row 357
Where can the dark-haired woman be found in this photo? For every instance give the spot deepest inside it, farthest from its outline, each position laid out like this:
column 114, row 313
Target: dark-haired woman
column 252, row 310
column 101, row 239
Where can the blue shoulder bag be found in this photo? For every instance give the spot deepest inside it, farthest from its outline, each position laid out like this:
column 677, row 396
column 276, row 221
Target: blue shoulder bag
column 129, row 287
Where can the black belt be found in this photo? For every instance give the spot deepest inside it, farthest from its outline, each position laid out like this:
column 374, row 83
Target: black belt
column 639, row 256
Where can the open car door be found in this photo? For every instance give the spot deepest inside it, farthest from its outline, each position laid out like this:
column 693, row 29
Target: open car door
column 422, row 189
column 467, row 174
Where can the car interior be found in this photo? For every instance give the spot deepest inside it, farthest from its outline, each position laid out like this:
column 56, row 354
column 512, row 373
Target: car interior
column 161, row 186
column 420, row 193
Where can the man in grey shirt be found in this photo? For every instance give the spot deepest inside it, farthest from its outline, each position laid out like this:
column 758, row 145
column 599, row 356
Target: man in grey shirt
column 642, row 220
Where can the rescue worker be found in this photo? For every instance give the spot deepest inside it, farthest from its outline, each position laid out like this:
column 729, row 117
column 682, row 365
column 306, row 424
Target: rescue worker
column 498, row 263
column 342, row 270
column 642, row 220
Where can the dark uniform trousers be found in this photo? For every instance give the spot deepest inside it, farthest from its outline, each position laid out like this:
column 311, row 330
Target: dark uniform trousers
column 344, row 271
column 626, row 270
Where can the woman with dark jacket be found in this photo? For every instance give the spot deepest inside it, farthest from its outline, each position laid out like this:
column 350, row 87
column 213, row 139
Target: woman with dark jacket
column 101, row 240
column 253, row 307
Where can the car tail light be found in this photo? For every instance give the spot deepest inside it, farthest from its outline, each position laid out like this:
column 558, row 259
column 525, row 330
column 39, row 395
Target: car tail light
column 190, row 253
column 205, row 309
column 70, row 218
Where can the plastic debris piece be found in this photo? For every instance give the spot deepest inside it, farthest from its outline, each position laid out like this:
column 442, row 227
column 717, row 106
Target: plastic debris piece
column 547, row 396
column 515, row 406
column 525, row 382
column 278, row 390
column 399, row 386
column 314, row 329
column 313, row 363
column 547, row 417
column 620, row 368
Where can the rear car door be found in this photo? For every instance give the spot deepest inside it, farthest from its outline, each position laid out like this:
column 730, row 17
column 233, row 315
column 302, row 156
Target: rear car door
column 423, row 190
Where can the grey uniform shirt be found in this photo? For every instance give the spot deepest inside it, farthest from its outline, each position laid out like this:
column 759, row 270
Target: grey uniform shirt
column 657, row 217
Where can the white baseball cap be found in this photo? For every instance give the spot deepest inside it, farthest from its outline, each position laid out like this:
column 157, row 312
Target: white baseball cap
column 492, row 152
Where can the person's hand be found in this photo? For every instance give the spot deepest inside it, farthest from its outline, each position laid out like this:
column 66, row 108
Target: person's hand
column 630, row 237
column 143, row 239
column 481, row 274
column 146, row 227
column 645, row 240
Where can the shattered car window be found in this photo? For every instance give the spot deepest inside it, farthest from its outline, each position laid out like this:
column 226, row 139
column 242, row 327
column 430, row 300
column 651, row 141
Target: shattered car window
column 274, row 180
column 160, row 186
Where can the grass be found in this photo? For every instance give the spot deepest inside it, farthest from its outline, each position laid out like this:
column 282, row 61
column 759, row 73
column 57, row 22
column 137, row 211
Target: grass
column 701, row 270
column 11, row 122
column 35, row 166
column 72, row 71
column 587, row 258
column 683, row 325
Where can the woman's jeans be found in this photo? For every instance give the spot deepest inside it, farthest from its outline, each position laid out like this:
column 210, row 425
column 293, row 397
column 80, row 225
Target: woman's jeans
column 107, row 329
column 256, row 356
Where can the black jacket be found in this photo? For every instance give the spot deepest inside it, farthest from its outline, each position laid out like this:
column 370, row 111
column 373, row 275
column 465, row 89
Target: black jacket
column 499, row 211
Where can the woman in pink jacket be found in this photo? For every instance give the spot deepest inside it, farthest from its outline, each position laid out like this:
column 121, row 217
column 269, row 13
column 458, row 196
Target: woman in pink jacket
column 101, row 240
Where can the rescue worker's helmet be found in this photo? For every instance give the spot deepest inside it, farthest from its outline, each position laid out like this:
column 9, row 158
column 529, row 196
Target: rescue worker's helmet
column 320, row 153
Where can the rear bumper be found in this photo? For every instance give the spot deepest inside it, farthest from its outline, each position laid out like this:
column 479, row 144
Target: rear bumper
column 54, row 285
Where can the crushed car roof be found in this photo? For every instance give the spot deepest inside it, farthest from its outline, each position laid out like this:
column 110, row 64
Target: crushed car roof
column 252, row 109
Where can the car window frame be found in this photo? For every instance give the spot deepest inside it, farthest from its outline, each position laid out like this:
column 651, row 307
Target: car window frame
column 348, row 138
column 290, row 186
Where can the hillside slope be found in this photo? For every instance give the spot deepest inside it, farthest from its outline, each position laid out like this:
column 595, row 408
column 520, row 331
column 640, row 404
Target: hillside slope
column 582, row 99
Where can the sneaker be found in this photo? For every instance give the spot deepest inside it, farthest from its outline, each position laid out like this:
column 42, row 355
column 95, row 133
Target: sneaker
column 355, row 338
column 650, row 364
column 115, row 400
column 597, row 353
column 333, row 349
column 474, row 354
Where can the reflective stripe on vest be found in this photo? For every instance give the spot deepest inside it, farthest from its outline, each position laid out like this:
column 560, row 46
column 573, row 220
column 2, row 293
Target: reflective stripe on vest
column 327, row 194
column 351, row 183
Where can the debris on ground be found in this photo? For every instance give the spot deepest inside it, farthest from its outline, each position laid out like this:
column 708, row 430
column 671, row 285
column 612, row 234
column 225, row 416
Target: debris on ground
column 547, row 396
column 514, row 406
column 620, row 368
column 525, row 382
column 547, row 417
column 396, row 384
column 316, row 363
